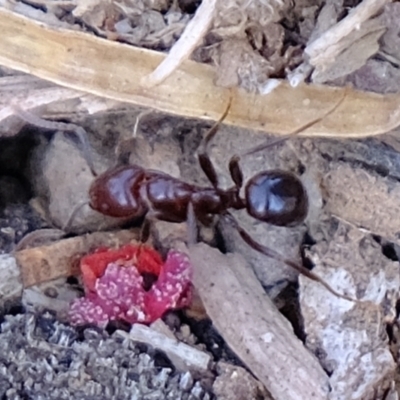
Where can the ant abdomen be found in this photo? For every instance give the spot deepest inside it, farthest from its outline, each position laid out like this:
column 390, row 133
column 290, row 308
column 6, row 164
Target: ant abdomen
column 115, row 193
column 277, row 197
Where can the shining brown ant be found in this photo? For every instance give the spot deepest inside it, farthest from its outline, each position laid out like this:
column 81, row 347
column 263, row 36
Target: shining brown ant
column 276, row 197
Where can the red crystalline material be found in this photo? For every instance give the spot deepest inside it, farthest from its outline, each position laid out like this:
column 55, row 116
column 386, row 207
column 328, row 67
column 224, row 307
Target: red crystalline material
column 142, row 257
column 118, row 294
column 116, row 286
column 85, row 311
column 173, row 287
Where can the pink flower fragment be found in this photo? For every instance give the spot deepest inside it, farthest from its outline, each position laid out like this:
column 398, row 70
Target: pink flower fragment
column 119, row 294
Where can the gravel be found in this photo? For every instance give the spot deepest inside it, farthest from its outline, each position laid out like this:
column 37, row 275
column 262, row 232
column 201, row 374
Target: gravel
column 40, row 358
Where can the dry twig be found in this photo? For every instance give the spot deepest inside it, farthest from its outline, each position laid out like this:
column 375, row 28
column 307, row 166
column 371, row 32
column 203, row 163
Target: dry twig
column 326, row 48
column 183, row 48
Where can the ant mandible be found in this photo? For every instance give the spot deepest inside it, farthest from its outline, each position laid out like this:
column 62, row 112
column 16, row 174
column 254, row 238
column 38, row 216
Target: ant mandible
column 275, row 196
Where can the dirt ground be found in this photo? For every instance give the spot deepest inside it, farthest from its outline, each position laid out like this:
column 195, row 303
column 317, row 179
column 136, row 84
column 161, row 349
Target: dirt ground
column 350, row 238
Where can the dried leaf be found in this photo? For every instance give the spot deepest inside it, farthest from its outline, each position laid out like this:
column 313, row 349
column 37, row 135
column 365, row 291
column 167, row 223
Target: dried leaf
column 84, row 62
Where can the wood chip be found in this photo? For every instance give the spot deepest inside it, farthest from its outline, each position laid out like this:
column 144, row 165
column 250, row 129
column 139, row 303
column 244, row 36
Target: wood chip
column 61, row 259
column 253, row 328
column 183, row 356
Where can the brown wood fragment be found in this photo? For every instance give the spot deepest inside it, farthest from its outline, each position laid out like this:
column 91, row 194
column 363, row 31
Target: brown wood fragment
column 183, row 356
column 84, row 62
column 253, row 328
column 41, row 264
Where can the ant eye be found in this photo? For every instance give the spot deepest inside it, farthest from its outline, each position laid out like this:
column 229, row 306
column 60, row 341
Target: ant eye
column 277, row 197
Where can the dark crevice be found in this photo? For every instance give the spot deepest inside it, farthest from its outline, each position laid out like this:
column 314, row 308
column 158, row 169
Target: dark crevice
column 308, row 240
column 206, row 334
column 189, row 6
column 390, row 328
column 220, row 241
column 17, row 217
column 291, row 309
column 301, row 169
column 306, row 261
column 397, row 308
column 389, row 249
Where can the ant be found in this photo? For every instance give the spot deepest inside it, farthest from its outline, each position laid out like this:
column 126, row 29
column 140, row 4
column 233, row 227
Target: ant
column 275, row 196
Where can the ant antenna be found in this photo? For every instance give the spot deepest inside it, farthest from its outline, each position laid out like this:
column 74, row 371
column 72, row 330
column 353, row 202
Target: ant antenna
column 126, row 147
column 39, row 236
column 273, row 254
column 79, row 132
column 214, row 129
column 203, row 157
column 264, row 146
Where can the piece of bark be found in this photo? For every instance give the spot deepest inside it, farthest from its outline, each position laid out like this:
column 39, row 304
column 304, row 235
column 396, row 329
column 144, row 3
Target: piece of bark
column 61, row 259
column 350, row 338
column 183, row 356
column 253, row 328
column 83, row 62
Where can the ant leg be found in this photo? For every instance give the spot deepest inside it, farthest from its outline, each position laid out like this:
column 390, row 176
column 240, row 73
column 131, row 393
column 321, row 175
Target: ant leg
column 191, row 225
column 273, row 254
column 208, row 168
column 68, row 223
column 79, row 132
column 204, row 159
column 146, row 229
column 38, row 238
column 236, row 171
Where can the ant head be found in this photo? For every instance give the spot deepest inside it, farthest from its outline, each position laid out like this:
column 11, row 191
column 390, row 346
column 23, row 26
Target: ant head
column 115, row 192
column 276, row 197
